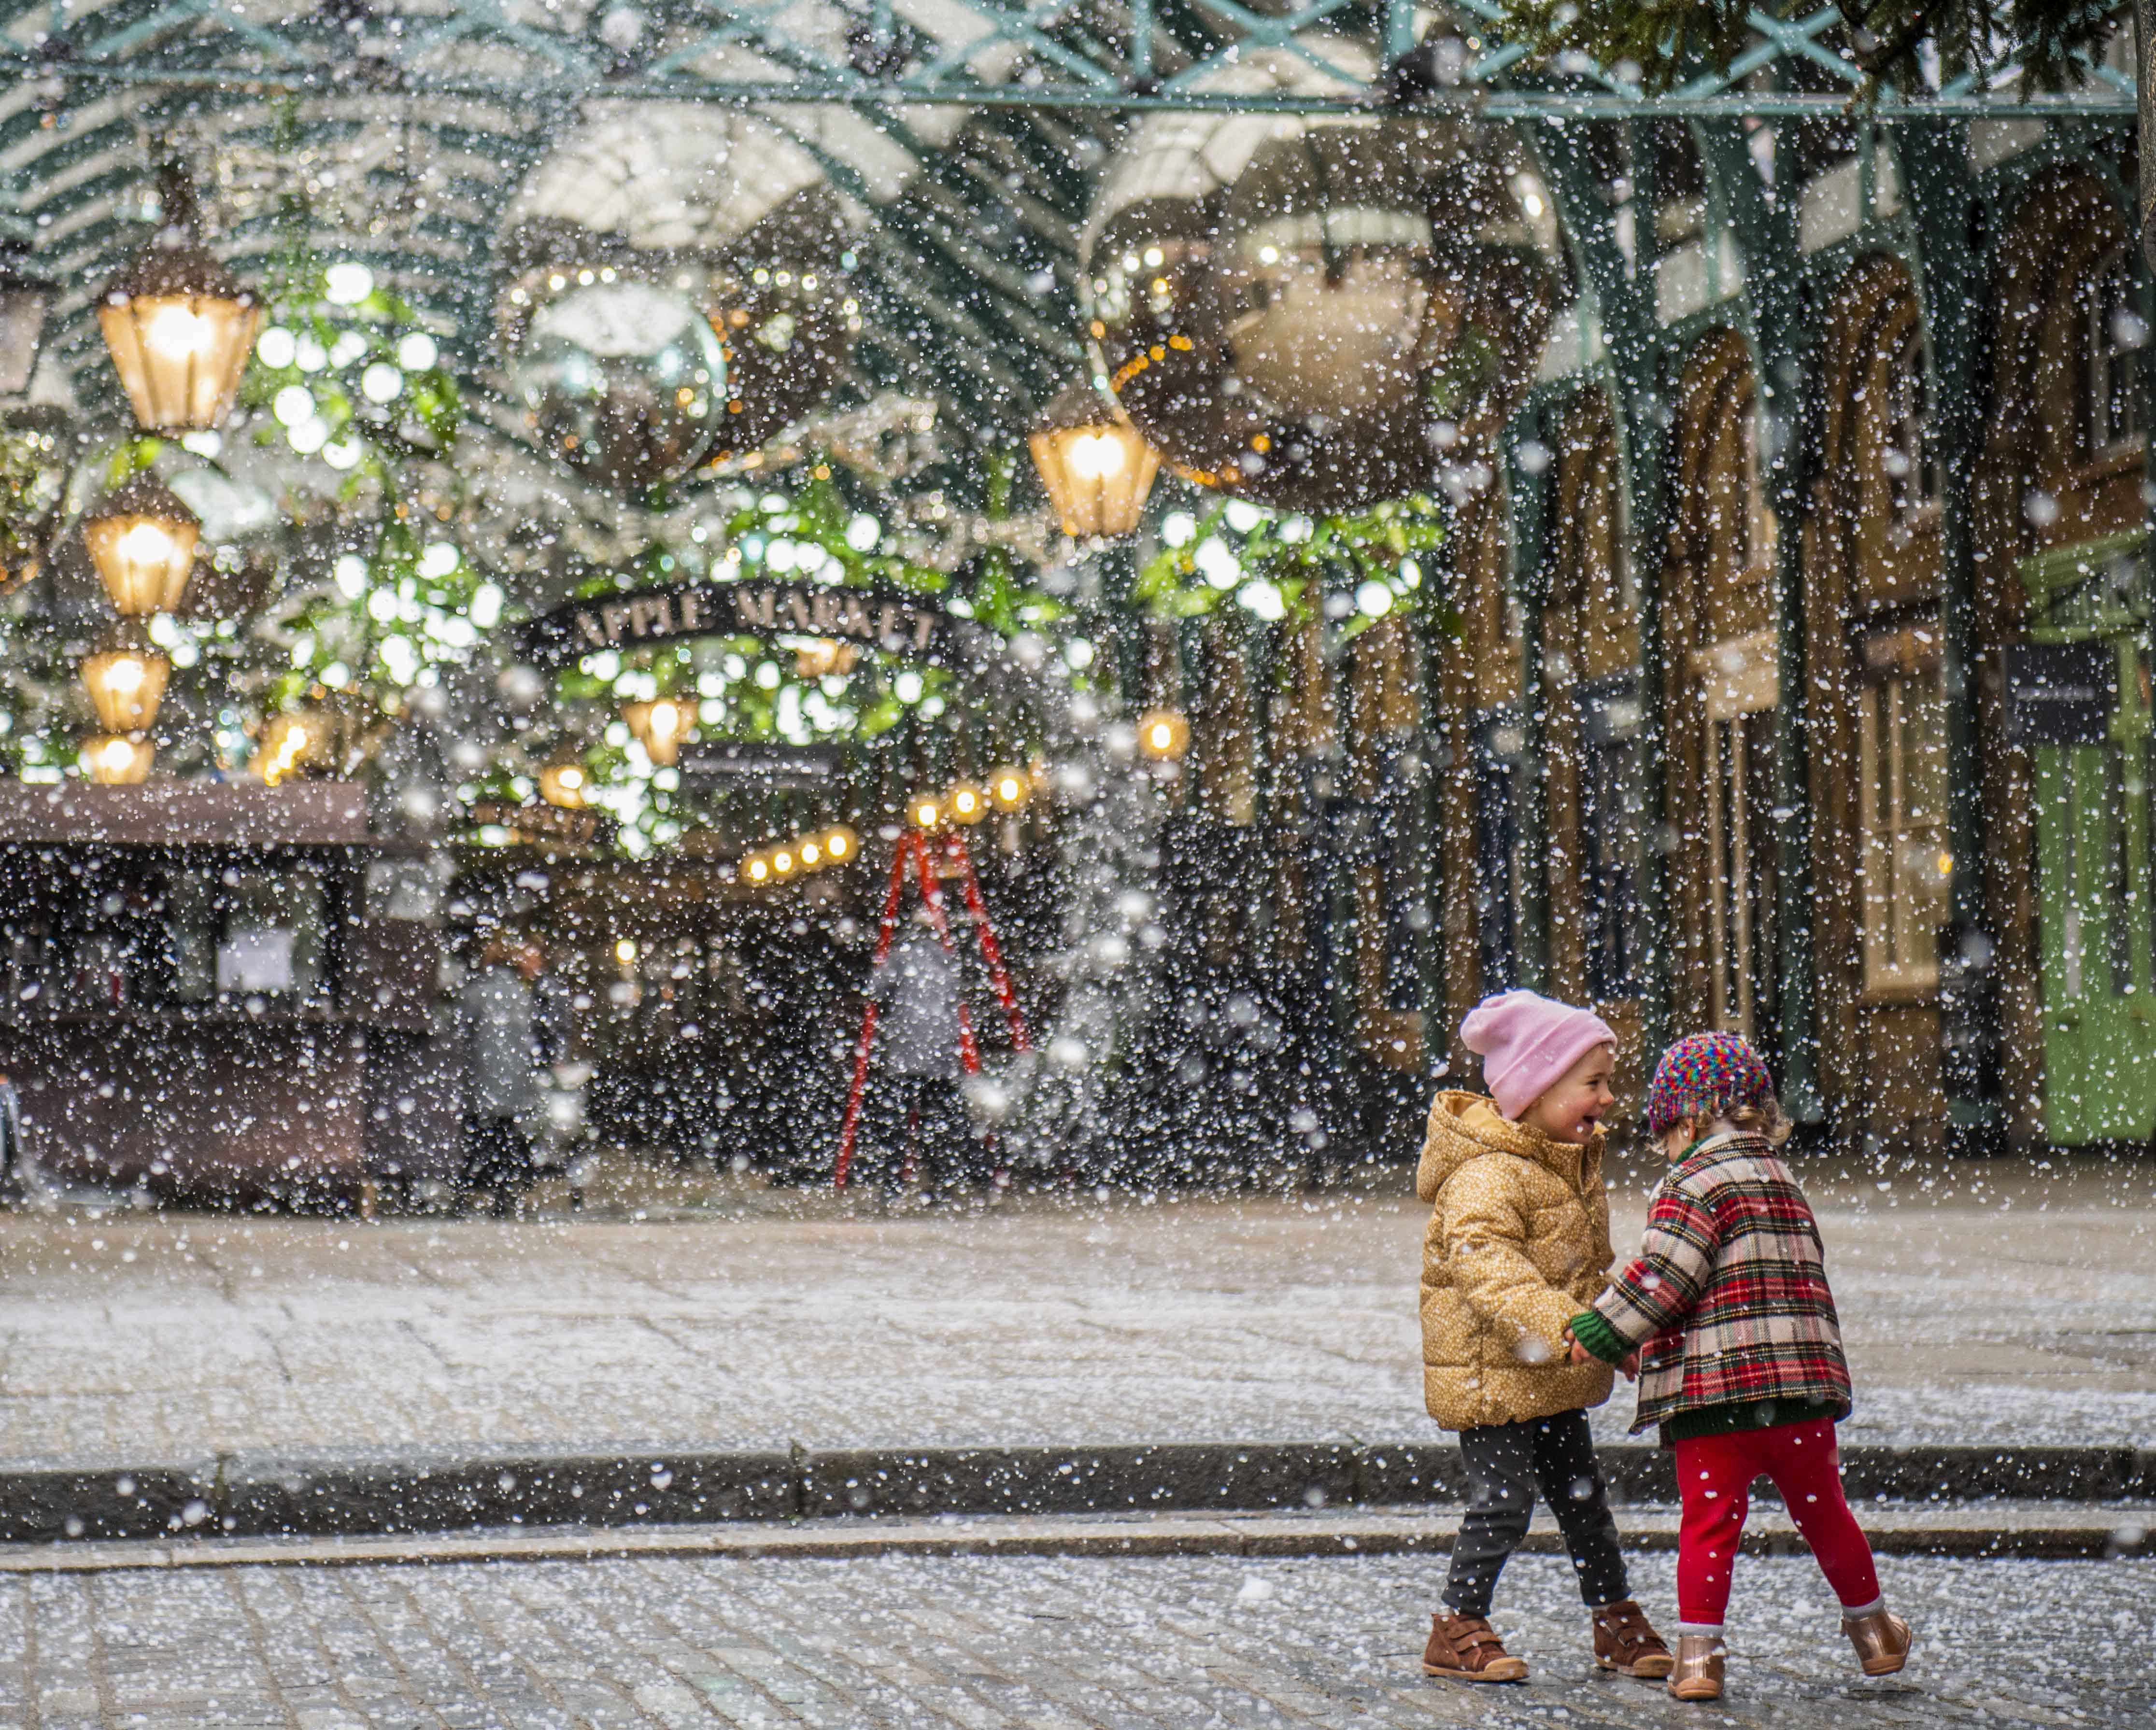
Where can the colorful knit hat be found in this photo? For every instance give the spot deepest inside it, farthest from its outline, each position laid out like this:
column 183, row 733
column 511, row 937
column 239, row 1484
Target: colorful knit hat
column 1705, row 1076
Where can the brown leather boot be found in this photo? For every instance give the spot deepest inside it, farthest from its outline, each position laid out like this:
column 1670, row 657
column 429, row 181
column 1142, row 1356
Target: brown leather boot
column 1882, row 1641
column 1467, row 1650
column 1625, row 1641
column 1697, row 1674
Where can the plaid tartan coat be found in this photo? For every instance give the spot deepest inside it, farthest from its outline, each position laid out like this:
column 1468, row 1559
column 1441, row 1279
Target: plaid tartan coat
column 1729, row 1298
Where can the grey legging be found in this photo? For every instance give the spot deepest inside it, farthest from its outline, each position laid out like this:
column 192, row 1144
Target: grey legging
column 1505, row 1463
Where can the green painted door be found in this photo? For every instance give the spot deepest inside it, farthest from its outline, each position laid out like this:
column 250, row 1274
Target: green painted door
column 2093, row 888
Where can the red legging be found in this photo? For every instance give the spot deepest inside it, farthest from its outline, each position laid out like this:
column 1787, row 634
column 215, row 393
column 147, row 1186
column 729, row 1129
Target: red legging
column 1715, row 1474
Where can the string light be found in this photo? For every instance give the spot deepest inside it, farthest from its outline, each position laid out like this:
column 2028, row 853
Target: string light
column 836, row 845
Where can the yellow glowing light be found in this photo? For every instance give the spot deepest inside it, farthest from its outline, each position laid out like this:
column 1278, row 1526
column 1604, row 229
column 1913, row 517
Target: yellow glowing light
column 1009, row 788
column 142, row 541
column 659, row 726
column 1163, row 734
column 146, row 542
column 176, row 333
column 840, row 845
column 756, row 868
column 782, row 862
column 114, row 761
column 564, row 784
column 625, row 951
column 821, row 655
column 1096, row 456
column 286, row 741
column 969, row 803
column 926, row 813
column 1097, row 469
column 126, row 684
column 811, row 855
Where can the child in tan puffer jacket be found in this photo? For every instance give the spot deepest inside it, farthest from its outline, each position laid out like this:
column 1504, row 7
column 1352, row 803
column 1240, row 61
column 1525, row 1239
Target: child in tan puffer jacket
column 1518, row 1242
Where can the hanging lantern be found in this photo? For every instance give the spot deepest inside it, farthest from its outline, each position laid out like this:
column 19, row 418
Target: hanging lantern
column 116, row 759
column 967, row 803
column 141, row 538
column 658, row 726
column 840, row 845
column 25, row 299
column 1096, row 467
column 179, row 324
column 126, row 682
column 1163, row 734
column 565, row 782
column 1009, row 788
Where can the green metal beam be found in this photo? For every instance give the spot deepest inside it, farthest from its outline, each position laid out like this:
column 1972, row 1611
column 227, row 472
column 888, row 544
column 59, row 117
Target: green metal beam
column 894, row 96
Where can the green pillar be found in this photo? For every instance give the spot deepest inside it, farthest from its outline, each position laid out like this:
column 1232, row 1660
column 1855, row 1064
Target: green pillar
column 1951, row 281
column 1623, row 303
column 1785, row 340
column 1529, row 499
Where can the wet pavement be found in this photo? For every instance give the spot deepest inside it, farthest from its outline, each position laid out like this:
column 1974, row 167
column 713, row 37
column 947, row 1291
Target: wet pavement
column 1156, row 1644
column 1987, row 1301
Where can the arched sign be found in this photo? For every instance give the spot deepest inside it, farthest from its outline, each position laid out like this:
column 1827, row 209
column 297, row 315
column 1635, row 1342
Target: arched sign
column 910, row 625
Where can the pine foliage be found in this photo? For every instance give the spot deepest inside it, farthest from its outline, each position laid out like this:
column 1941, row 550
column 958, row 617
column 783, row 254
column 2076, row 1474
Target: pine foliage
column 1904, row 44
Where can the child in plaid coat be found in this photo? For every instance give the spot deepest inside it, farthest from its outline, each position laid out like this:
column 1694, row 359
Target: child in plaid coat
column 1741, row 1360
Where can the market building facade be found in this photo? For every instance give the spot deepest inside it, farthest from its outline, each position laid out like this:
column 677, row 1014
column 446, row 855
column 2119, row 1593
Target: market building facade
column 1732, row 609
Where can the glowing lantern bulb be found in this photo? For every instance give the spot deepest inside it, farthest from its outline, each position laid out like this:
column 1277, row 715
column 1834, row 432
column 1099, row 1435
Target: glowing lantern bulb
column 1163, row 734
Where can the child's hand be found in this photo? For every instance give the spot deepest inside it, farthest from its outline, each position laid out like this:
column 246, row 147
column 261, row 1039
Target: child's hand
column 1580, row 1354
column 1630, row 1365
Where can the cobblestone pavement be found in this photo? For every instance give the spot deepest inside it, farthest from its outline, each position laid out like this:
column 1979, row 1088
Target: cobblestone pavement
column 1147, row 1645
column 1989, row 1300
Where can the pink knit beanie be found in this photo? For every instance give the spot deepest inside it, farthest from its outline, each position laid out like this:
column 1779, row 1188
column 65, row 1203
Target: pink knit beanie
column 1527, row 1042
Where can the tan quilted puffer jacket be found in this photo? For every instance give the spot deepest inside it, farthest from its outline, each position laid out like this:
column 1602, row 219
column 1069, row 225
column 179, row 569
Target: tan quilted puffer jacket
column 1518, row 1244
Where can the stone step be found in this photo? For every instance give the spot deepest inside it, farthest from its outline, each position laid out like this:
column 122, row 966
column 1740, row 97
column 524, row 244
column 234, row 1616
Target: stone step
column 2029, row 1530
column 367, row 1493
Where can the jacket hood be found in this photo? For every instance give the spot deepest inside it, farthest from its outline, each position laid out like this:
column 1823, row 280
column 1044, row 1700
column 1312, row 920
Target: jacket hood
column 1466, row 1126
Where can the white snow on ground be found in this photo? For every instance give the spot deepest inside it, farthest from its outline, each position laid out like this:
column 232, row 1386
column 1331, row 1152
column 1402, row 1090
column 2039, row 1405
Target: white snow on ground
column 1161, row 1643
column 761, row 1319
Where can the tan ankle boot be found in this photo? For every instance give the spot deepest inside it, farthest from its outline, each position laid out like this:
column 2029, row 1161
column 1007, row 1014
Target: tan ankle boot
column 1882, row 1641
column 1467, row 1649
column 1626, row 1642
column 1698, row 1672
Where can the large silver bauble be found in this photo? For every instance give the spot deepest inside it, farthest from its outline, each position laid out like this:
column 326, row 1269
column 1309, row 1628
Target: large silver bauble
column 724, row 209
column 783, row 304
column 1311, row 313
column 622, row 380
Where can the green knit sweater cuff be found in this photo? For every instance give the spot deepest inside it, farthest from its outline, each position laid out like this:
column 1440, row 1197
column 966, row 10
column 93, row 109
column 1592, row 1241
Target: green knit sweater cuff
column 1599, row 1336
